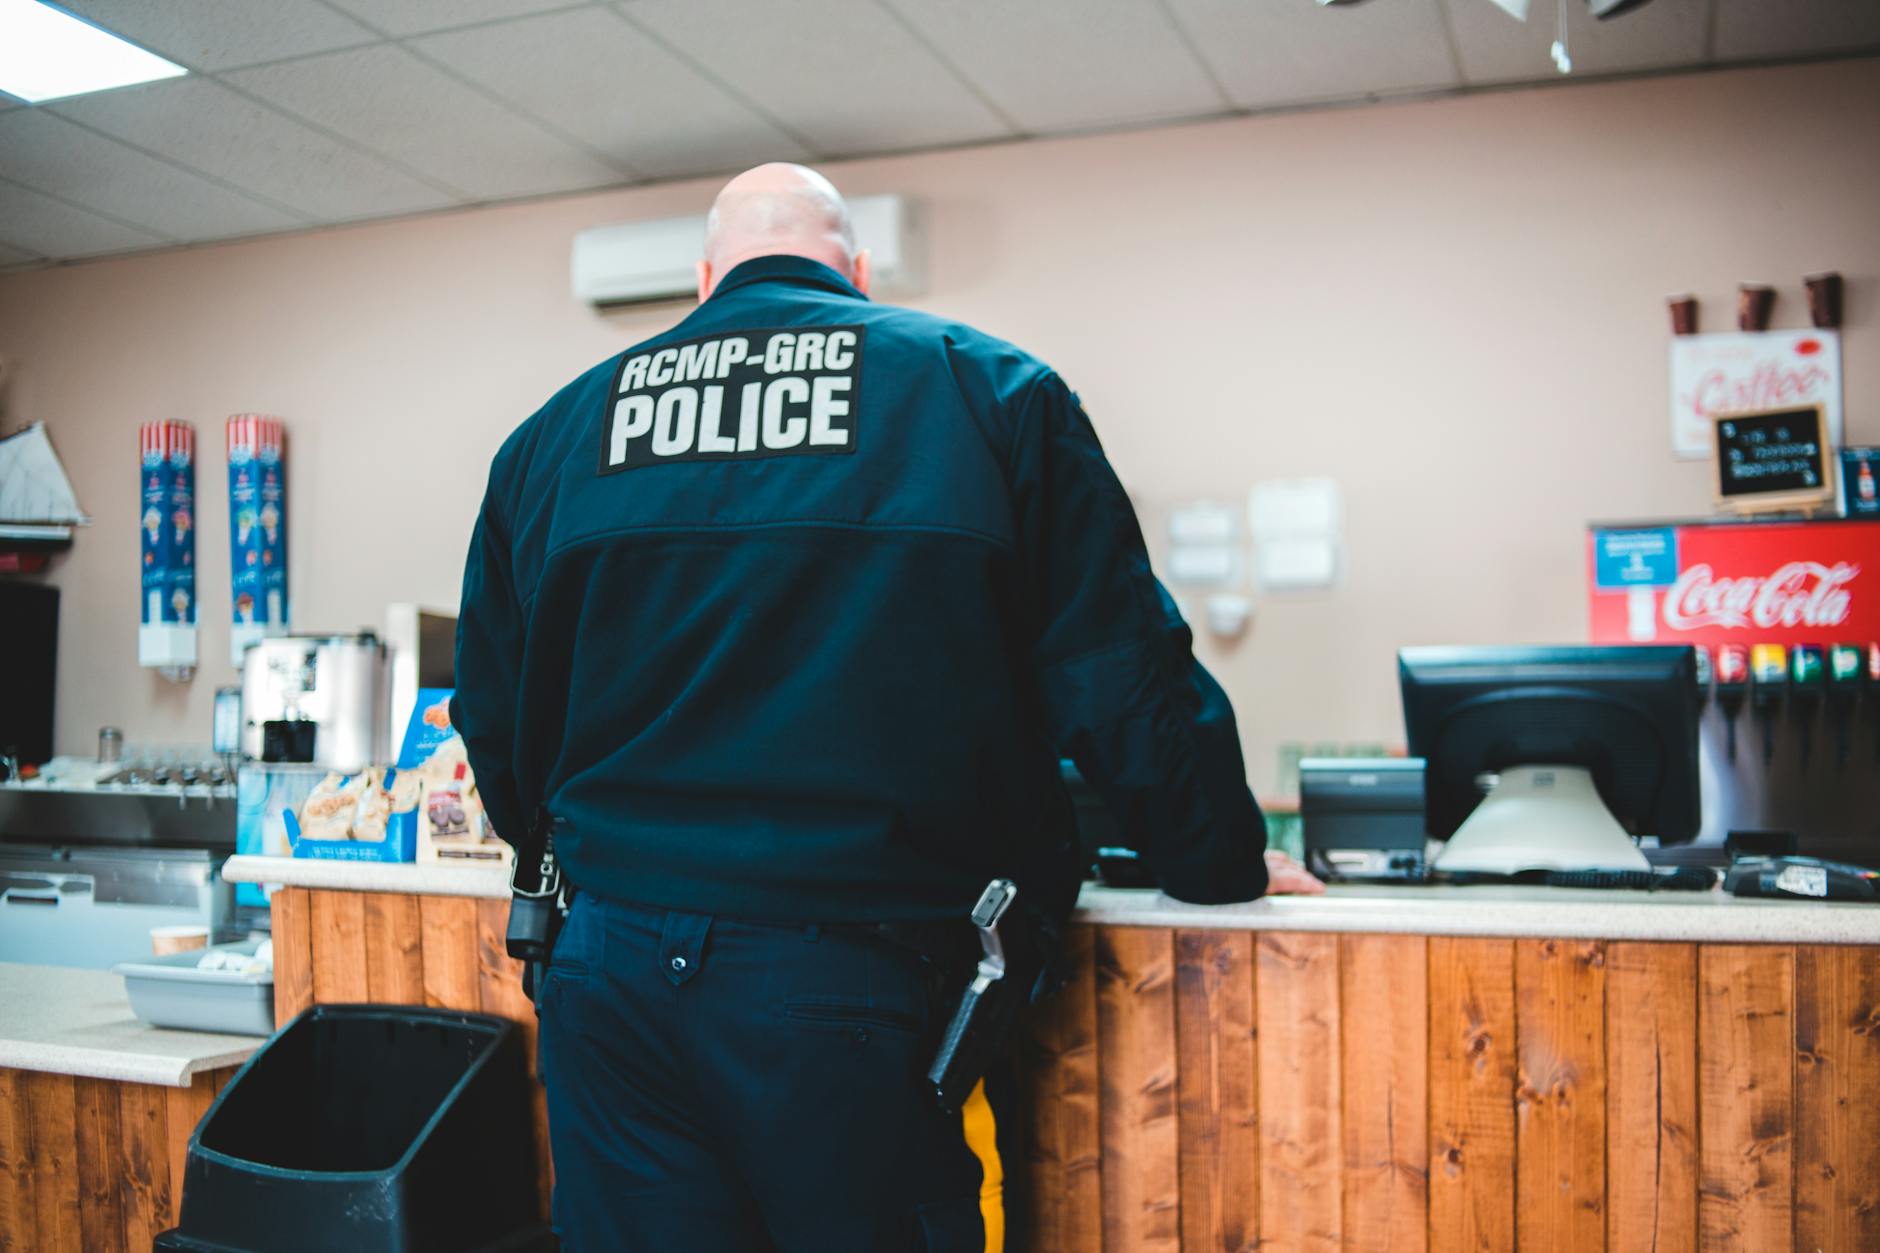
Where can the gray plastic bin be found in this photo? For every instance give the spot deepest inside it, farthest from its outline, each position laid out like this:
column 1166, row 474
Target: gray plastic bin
column 170, row 991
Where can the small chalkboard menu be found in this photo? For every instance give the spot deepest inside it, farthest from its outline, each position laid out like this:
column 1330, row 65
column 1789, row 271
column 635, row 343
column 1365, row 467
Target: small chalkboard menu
column 1774, row 459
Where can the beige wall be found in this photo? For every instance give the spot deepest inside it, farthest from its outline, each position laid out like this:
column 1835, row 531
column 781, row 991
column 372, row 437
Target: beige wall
column 1454, row 307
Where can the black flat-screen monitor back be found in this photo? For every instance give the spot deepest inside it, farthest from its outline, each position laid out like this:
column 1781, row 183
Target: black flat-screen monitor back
column 1626, row 714
column 29, row 645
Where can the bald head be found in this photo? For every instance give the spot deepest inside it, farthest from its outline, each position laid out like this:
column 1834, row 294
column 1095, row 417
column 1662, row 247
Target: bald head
column 780, row 209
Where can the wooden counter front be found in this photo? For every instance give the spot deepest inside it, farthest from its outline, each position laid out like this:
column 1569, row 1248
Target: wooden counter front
column 1303, row 1075
column 1231, row 1090
column 93, row 1164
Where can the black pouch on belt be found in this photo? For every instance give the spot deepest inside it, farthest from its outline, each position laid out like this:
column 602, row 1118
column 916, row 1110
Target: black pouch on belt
column 538, row 903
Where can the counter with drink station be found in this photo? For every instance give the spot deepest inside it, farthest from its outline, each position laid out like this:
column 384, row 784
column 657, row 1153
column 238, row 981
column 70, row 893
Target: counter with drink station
column 1382, row 1066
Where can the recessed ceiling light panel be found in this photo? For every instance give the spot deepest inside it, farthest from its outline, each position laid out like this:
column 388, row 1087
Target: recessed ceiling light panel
column 47, row 53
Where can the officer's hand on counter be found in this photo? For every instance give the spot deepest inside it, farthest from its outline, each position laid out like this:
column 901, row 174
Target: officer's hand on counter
column 1286, row 877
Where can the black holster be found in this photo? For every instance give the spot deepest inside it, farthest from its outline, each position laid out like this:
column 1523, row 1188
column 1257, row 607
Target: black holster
column 538, row 902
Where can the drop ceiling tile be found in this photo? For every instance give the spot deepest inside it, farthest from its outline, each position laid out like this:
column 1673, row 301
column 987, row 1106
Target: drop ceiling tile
column 385, row 99
column 9, row 255
column 1749, row 30
column 47, row 152
column 54, row 229
column 1495, row 48
column 1278, row 52
column 874, row 88
column 1062, row 64
column 606, row 83
column 220, row 34
column 415, row 17
column 220, row 132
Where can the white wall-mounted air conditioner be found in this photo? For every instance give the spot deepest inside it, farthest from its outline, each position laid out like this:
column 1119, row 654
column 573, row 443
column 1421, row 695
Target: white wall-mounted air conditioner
column 644, row 262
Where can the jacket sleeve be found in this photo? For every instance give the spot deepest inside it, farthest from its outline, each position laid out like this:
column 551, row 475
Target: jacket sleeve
column 490, row 640
column 1121, row 692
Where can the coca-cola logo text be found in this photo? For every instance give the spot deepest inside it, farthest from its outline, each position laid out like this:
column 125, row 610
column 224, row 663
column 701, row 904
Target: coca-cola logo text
column 1801, row 593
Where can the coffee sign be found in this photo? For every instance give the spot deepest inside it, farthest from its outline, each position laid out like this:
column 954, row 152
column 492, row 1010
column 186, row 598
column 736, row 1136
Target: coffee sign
column 1712, row 375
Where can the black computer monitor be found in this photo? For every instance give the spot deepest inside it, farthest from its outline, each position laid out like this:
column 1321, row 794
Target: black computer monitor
column 1589, row 747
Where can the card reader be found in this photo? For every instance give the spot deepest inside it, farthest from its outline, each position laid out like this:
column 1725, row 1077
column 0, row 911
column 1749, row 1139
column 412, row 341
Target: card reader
column 1362, row 818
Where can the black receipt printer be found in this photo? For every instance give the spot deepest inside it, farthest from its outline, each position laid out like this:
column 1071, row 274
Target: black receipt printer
column 1362, row 818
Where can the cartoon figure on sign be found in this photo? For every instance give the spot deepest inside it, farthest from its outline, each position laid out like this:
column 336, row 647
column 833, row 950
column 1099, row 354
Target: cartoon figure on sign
column 244, row 525
column 182, row 522
column 270, row 522
column 153, row 522
column 438, row 715
column 179, row 601
column 244, row 608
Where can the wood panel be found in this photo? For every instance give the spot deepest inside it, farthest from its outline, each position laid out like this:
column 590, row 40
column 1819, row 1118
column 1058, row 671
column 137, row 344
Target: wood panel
column 1837, row 1098
column 92, row 1165
column 1651, row 1098
column 1746, row 1095
column 15, row 1200
column 1061, row 1067
column 1296, row 990
column 1216, row 1086
column 1560, row 1095
column 1136, row 1074
column 100, row 1150
column 186, row 1109
column 448, row 951
column 292, row 913
column 52, row 1160
column 499, row 976
column 339, row 947
column 1384, row 1035
column 1472, row 1081
column 144, row 1187
column 393, row 939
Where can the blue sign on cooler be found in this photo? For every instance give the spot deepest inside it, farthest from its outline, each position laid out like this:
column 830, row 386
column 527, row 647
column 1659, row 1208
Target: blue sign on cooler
column 1635, row 558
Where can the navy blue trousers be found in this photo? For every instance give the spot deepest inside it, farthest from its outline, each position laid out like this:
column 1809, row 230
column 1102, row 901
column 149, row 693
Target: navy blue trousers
column 722, row 1086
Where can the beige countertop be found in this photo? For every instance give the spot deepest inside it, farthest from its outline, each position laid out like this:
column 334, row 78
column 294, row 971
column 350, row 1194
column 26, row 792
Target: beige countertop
column 1505, row 910
column 1540, row 912
column 79, row 1022
column 416, row 878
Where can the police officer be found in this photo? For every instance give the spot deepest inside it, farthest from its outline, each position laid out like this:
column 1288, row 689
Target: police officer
column 786, row 616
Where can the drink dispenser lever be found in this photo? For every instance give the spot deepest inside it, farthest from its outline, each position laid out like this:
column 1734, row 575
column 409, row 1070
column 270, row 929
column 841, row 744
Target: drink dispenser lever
column 1732, row 688
column 1807, row 679
column 1769, row 668
column 1873, row 692
column 1843, row 690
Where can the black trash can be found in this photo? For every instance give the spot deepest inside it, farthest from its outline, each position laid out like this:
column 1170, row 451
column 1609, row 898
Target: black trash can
column 368, row 1129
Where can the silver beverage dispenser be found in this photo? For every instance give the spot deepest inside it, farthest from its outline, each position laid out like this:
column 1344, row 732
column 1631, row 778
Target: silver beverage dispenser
column 320, row 700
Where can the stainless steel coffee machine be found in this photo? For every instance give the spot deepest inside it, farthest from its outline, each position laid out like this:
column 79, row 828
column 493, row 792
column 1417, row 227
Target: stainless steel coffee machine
column 317, row 699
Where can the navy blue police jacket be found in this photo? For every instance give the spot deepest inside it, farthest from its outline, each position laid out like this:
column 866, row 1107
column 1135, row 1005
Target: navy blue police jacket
column 788, row 613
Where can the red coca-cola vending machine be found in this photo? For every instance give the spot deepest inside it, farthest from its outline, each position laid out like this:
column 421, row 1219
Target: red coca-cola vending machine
column 1786, row 619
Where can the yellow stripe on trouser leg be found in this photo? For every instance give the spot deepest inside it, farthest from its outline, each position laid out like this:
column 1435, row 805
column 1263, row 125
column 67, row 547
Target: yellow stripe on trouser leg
column 982, row 1139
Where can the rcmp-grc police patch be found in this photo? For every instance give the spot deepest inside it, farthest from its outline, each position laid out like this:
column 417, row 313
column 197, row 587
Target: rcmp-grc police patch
column 775, row 393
